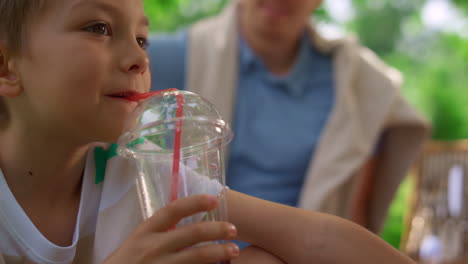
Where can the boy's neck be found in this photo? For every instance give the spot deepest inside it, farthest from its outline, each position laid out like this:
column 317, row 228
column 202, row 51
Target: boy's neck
column 45, row 175
column 39, row 169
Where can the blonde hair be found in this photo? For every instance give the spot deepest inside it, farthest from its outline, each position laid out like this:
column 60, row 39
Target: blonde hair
column 16, row 15
column 15, row 18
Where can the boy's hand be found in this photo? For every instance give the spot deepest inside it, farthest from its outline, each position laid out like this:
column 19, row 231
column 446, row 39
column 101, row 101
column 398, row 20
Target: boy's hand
column 153, row 242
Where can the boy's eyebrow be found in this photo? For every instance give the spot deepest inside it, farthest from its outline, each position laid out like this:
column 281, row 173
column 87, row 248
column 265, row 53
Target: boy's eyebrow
column 106, row 7
column 96, row 4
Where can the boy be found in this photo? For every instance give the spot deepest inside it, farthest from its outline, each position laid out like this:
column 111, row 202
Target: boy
column 66, row 70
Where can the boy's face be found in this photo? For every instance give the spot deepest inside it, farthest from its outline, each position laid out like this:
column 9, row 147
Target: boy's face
column 278, row 18
column 82, row 56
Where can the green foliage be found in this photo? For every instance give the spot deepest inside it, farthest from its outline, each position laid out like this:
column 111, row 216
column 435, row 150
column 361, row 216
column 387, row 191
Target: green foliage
column 446, row 110
column 170, row 15
column 378, row 23
column 321, row 14
column 436, row 84
column 462, row 4
column 394, row 225
column 434, row 64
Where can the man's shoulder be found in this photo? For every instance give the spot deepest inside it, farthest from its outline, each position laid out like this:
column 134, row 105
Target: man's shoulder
column 370, row 62
column 350, row 53
column 367, row 69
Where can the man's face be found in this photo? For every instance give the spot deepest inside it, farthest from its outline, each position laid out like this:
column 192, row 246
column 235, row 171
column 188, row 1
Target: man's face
column 82, row 58
column 278, row 18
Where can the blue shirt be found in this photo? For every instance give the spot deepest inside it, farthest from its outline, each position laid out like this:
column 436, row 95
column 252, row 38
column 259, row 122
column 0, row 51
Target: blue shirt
column 277, row 120
column 167, row 55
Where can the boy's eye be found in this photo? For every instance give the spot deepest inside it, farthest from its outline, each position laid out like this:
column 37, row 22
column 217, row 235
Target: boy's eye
column 99, row 28
column 142, row 42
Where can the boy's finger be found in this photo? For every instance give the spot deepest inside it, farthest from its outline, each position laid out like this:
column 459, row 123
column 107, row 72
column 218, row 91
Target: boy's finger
column 190, row 235
column 206, row 254
column 167, row 217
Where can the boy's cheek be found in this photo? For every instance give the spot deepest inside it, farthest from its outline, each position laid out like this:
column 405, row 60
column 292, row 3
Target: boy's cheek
column 147, row 81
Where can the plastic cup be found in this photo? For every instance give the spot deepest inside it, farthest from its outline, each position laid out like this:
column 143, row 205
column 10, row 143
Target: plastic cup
column 177, row 141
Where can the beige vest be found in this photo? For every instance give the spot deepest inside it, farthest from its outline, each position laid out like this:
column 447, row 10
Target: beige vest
column 368, row 105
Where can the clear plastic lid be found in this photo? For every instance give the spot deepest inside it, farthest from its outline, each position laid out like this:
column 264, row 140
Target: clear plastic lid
column 174, row 121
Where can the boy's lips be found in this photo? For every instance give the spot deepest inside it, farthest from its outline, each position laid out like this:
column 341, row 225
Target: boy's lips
column 135, row 96
column 123, row 95
column 140, row 96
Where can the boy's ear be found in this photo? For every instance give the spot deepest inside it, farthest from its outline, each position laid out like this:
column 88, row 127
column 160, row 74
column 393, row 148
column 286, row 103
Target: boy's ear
column 10, row 84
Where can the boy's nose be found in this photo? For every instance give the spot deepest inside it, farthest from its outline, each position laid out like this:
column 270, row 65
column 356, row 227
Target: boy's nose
column 139, row 67
column 134, row 59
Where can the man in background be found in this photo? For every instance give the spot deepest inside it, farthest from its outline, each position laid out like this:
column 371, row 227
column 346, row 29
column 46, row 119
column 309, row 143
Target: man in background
column 318, row 123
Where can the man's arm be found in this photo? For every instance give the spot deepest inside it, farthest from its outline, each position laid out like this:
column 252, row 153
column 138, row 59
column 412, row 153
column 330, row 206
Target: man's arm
column 360, row 206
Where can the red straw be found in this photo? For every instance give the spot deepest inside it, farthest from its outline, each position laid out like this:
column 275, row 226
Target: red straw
column 138, row 97
column 177, row 143
column 177, row 137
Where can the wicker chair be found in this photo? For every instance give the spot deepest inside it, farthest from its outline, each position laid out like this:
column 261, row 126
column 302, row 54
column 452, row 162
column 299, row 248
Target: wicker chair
column 436, row 229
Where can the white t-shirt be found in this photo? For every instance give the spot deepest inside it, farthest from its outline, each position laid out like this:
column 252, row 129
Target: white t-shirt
column 108, row 212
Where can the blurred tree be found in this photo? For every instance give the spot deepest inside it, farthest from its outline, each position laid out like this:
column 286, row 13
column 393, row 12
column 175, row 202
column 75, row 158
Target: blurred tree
column 378, row 23
column 436, row 83
column 170, row 15
column 462, row 4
